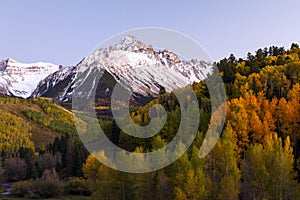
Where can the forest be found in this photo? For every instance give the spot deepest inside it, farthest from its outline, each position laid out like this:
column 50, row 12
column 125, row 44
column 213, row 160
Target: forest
column 256, row 157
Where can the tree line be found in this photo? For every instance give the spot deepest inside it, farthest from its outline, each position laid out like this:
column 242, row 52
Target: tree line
column 256, row 157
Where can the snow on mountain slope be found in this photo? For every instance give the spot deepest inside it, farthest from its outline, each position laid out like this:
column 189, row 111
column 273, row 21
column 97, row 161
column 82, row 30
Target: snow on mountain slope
column 56, row 84
column 133, row 64
column 18, row 79
column 145, row 70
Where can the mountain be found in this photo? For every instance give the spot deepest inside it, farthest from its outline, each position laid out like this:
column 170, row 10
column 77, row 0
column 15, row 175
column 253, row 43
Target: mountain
column 56, row 85
column 18, row 79
column 131, row 63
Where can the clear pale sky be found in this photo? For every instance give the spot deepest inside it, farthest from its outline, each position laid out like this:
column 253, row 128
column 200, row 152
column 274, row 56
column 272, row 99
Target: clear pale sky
column 63, row 32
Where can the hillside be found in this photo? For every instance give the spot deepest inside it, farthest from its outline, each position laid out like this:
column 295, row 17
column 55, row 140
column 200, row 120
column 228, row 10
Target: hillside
column 256, row 156
column 44, row 117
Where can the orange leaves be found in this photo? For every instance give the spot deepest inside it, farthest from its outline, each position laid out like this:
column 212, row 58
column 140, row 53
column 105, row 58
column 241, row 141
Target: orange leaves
column 251, row 119
column 288, row 112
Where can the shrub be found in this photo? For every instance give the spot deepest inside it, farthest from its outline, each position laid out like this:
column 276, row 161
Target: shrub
column 77, row 186
column 15, row 169
column 48, row 188
column 20, row 188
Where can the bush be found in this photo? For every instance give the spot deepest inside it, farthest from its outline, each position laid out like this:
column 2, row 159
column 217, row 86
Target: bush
column 15, row 169
column 77, row 186
column 20, row 189
column 49, row 185
column 48, row 188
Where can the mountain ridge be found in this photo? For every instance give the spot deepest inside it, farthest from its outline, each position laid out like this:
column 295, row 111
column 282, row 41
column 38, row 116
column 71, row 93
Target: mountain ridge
column 133, row 64
column 20, row 79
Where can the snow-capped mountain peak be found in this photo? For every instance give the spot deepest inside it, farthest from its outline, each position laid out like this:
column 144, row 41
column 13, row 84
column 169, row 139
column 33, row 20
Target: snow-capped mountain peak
column 130, row 62
column 129, row 43
column 20, row 79
column 141, row 68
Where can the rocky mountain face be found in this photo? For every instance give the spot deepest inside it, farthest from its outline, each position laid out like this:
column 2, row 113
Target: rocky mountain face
column 19, row 79
column 133, row 64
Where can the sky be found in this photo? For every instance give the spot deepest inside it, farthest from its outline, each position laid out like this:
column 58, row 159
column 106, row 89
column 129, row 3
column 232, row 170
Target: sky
column 63, row 32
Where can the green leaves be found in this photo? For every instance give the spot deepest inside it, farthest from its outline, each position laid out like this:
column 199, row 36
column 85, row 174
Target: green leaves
column 268, row 170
